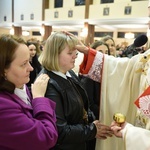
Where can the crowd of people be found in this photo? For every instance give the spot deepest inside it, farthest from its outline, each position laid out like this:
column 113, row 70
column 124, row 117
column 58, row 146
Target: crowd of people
column 46, row 105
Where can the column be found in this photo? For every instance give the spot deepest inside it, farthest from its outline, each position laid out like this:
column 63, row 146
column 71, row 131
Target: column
column 17, row 31
column 89, row 39
column 90, row 33
column 47, row 31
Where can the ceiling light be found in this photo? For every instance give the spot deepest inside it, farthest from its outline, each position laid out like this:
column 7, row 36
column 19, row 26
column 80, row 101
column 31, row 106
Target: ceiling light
column 84, row 32
column 25, row 33
column 12, row 31
column 129, row 35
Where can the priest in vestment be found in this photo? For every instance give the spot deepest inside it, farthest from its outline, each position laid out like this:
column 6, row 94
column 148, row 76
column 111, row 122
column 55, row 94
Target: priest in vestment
column 122, row 81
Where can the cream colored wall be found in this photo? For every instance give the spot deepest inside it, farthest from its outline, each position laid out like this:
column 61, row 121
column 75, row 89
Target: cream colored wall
column 69, row 3
column 63, row 13
column 27, row 7
column 5, row 10
column 116, row 10
column 51, row 4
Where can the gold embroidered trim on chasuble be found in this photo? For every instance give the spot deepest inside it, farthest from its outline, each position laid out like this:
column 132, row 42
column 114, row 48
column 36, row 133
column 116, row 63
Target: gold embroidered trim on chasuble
column 141, row 120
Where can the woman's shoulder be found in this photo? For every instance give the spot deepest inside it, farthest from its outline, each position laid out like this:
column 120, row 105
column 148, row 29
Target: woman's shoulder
column 9, row 101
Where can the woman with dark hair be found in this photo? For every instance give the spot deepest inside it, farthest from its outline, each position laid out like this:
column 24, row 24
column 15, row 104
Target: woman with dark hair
column 26, row 123
column 101, row 47
column 33, row 46
column 111, row 44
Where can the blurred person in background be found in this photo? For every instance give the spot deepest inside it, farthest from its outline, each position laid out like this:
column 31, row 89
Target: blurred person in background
column 101, row 47
column 111, row 44
column 33, row 46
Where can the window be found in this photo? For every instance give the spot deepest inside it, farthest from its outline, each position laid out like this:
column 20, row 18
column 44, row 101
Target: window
column 79, row 2
column 106, row 1
column 122, row 34
column 102, row 34
column 58, row 3
column 36, row 33
column 138, row 0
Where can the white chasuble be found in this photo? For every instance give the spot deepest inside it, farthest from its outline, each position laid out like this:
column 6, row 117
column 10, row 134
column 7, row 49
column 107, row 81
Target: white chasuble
column 122, row 81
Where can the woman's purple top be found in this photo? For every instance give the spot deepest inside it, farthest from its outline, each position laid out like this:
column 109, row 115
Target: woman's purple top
column 25, row 127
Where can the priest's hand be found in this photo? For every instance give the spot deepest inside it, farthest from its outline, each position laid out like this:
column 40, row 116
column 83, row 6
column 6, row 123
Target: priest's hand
column 80, row 46
column 118, row 128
